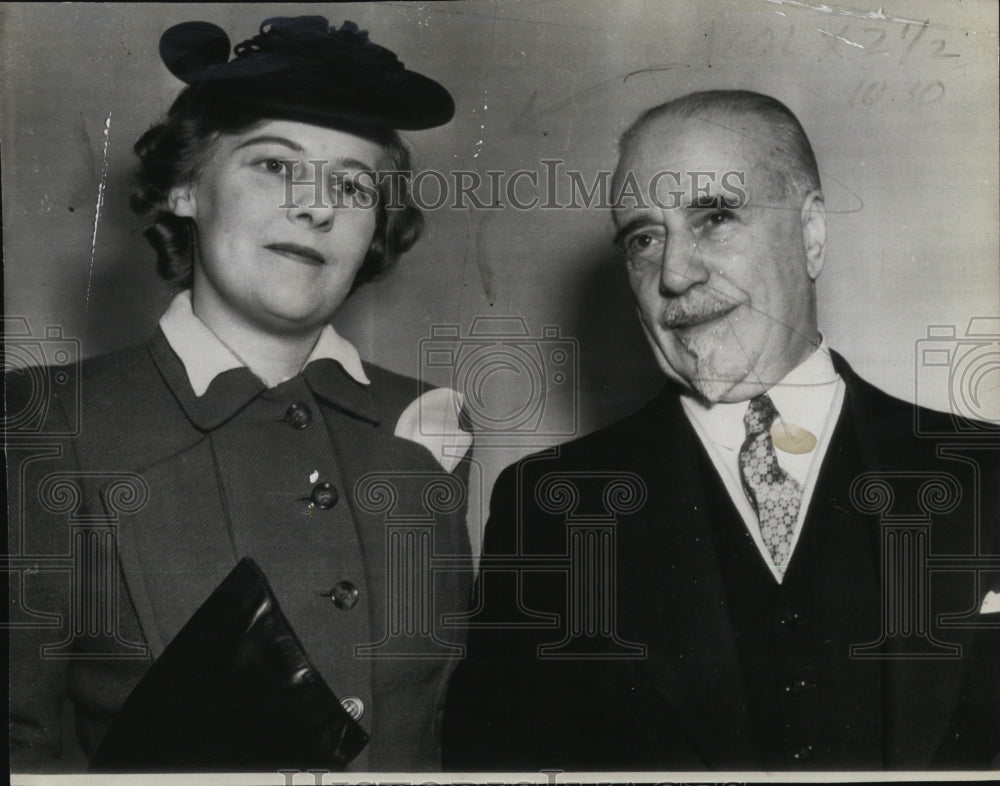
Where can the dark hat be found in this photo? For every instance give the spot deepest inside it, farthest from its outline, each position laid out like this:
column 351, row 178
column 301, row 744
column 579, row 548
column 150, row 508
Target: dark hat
column 300, row 68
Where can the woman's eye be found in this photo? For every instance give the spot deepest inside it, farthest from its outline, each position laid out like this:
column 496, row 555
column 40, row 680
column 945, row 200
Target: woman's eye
column 346, row 188
column 276, row 166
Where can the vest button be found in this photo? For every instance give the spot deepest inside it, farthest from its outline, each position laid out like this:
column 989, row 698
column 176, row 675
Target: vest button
column 324, row 496
column 298, row 415
column 354, row 706
column 790, row 619
column 803, row 753
column 344, row 595
column 795, row 687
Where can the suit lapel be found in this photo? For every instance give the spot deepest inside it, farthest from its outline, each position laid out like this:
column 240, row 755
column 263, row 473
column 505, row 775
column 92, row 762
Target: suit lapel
column 920, row 692
column 683, row 615
column 176, row 550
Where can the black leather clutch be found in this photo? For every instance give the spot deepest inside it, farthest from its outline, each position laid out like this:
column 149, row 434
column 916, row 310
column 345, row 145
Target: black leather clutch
column 233, row 692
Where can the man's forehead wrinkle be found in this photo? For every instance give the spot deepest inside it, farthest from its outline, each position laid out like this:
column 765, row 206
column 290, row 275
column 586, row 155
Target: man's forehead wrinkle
column 764, row 157
column 741, row 138
column 745, row 127
column 662, row 135
column 758, row 168
column 722, row 143
column 754, row 136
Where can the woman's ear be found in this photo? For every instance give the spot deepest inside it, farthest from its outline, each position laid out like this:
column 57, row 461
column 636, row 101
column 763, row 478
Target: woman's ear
column 182, row 202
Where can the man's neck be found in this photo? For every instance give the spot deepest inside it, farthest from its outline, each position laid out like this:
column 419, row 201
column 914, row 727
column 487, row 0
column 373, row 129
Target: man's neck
column 765, row 375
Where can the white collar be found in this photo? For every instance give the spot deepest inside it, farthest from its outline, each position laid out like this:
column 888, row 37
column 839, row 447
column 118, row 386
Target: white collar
column 803, row 397
column 205, row 357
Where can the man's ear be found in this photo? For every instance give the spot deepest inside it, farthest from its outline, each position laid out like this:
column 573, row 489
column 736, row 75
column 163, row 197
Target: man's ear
column 182, row 202
column 814, row 232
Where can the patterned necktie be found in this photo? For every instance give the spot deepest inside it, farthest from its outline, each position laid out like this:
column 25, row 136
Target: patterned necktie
column 773, row 493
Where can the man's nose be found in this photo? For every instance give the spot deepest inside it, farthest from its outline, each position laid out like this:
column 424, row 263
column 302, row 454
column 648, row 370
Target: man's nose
column 682, row 266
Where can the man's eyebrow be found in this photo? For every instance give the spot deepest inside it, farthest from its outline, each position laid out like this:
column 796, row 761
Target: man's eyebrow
column 710, row 202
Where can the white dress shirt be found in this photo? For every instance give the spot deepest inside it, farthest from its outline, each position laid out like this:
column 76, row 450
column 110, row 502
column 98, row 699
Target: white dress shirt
column 810, row 396
column 432, row 420
column 205, row 356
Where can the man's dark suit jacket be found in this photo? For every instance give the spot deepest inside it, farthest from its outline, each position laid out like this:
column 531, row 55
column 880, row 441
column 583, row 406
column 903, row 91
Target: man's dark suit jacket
column 696, row 659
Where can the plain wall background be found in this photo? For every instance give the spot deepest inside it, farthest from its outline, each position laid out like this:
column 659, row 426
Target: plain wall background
column 903, row 119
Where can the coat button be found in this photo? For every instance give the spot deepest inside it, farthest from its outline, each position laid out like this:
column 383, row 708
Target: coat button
column 344, row 595
column 298, row 415
column 803, row 753
column 324, row 496
column 354, row 706
column 795, row 687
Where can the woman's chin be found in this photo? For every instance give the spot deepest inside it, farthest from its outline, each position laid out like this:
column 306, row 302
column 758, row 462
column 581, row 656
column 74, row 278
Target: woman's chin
column 295, row 311
column 284, row 320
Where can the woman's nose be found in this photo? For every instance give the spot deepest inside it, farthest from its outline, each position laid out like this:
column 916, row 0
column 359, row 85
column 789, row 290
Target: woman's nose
column 307, row 199
column 318, row 214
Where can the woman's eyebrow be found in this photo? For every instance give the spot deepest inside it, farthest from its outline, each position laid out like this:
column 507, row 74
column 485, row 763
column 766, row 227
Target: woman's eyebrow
column 271, row 140
column 351, row 163
column 339, row 163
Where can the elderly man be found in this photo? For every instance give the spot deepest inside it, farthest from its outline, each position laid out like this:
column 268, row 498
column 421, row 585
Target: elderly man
column 741, row 605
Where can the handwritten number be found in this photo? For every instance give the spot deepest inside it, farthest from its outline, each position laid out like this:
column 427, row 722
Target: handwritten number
column 881, row 37
column 932, row 93
column 939, row 53
column 916, row 38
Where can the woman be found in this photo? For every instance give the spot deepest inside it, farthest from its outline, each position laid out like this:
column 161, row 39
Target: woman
column 248, row 470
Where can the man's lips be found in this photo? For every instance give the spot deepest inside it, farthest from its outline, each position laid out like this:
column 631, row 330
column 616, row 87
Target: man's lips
column 297, row 252
column 690, row 320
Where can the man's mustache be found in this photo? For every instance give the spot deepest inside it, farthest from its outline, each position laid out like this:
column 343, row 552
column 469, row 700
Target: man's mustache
column 693, row 309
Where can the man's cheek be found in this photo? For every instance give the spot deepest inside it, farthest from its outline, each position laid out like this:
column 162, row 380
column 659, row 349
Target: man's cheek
column 639, row 284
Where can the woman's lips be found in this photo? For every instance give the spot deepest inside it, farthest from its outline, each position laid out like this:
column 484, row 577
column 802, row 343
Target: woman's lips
column 297, row 252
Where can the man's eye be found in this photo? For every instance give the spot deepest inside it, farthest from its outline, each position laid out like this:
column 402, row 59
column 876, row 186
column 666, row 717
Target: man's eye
column 719, row 217
column 642, row 242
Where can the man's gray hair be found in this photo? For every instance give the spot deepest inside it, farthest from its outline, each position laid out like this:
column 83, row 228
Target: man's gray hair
column 792, row 163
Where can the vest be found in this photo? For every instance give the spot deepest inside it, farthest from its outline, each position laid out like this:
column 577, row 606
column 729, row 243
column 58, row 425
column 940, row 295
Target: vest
column 813, row 706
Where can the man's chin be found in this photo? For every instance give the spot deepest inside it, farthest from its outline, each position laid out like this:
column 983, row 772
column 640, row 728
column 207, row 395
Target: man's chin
column 695, row 363
column 712, row 390
column 700, row 381
column 713, row 382
column 727, row 390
